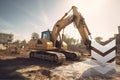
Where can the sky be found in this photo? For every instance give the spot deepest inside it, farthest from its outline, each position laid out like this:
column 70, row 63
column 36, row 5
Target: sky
column 23, row 17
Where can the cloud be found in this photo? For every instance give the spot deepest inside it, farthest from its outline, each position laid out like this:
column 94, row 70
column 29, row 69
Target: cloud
column 5, row 24
column 44, row 18
column 32, row 25
column 38, row 19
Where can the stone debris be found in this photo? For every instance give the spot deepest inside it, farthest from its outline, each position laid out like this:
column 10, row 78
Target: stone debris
column 2, row 47
column 30, row 68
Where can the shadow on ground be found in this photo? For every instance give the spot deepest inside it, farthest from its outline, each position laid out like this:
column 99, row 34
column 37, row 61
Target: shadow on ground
column 8, row 66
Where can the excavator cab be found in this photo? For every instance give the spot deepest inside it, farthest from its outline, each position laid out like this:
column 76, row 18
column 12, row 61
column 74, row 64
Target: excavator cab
column 47, row 35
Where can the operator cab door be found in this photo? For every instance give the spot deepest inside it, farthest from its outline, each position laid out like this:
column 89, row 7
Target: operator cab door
column 46, row 35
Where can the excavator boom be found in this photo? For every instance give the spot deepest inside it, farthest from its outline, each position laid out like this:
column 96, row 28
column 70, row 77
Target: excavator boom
column 79, row 22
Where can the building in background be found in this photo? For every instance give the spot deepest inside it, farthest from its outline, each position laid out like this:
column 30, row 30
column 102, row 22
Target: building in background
column 5, row 38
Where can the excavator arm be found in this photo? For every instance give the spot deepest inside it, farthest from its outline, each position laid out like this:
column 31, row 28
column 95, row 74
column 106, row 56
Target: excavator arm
column 79, row 22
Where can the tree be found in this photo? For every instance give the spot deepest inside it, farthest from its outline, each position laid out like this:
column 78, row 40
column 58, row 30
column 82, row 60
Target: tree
column 17, row 43
column 23, row 44
column 98, row 39
column 72, row 43
column 35, row 35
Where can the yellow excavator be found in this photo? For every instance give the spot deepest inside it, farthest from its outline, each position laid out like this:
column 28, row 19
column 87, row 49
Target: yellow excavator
column 48, row 47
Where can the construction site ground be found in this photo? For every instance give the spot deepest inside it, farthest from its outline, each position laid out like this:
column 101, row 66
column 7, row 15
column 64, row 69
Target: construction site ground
column 20, row 67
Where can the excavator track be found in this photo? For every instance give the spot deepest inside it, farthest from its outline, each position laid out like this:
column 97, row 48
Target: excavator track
column 55, row 57
column 71, row 55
